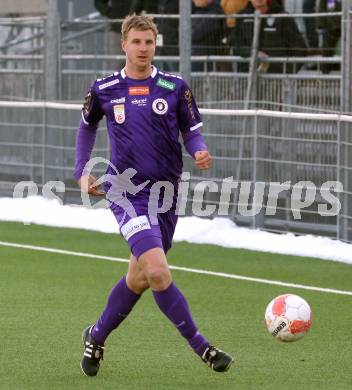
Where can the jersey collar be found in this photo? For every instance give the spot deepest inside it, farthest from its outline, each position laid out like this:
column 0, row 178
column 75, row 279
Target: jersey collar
column 152, row 75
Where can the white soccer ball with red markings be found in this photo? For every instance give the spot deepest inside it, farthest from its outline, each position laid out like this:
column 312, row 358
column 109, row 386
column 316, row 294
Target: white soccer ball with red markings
column 288, row 317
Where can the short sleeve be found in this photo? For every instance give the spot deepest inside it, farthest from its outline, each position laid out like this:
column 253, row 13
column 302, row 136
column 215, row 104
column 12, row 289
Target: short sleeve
column 92, row 112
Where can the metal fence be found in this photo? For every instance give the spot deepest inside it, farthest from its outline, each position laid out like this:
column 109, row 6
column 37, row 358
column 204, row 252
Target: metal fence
column 43, row 59
column 250, row 146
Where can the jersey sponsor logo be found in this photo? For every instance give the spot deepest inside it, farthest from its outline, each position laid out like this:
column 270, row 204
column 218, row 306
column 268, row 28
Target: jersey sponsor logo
column 139, row 102
column 134, row 226
column 160, row 106
column 108, row 84
column 119, row 113
column 141, row 90
column 119, row 100
column 166, row 84
column 189, row 99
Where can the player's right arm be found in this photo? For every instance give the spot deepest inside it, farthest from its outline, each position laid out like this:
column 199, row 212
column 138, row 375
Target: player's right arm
column 91, row 115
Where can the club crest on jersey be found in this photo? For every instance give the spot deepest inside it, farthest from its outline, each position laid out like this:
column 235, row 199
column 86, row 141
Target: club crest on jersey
column 160, row 106
column 119, row 113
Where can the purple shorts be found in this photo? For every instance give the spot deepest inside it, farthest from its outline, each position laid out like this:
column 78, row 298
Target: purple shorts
column 139, row 231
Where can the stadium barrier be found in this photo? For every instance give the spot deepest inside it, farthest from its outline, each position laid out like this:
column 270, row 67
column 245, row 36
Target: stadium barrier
column 249, row 146
column 86, row 53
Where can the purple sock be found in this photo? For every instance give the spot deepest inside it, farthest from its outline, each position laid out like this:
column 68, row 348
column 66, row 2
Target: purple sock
column 174, row 305
column 120, row 302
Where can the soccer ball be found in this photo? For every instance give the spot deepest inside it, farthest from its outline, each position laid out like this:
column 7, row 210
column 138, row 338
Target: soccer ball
column 288, row 317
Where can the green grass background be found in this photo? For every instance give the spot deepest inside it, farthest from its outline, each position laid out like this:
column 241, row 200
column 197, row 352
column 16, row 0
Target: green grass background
column 47, row 299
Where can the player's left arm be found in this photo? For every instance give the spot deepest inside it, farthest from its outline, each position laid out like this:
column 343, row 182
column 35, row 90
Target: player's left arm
column 190, row 123
column 203, row 159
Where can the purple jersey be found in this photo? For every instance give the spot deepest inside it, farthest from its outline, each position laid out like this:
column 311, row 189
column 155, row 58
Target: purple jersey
column 144, row 120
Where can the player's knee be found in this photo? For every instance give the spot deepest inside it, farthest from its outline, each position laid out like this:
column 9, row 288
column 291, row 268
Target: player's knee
column 139, row 288
column 155, row 269
column 142, row 285
column 159, row 278
column 137, row 283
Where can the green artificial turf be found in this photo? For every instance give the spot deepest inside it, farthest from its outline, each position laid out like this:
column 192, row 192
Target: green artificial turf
column 46, row 299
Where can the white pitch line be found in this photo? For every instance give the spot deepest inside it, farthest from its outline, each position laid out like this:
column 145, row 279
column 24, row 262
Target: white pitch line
column 176, row 268
column 62, row 251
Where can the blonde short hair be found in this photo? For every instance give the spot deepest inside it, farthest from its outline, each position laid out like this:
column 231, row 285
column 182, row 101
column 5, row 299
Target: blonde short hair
column 139, row 23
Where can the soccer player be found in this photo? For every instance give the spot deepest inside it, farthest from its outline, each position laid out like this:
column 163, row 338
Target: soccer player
column 145, row 110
